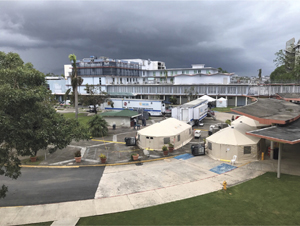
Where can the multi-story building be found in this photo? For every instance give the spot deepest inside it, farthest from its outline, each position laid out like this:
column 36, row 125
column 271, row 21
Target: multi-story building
column 292, row 51
column 146, row 79
column 134, row 77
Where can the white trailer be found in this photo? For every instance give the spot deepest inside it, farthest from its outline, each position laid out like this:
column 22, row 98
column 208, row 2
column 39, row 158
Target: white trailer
column 153, row 107
column 192, row 112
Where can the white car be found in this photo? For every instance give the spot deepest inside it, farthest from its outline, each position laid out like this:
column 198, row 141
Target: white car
column 197, row 133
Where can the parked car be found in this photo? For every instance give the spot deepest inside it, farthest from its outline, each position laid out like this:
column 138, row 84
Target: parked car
column 197, row 133
column 91, row 108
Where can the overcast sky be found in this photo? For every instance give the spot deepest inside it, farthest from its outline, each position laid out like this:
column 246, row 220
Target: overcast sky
column 239, row 36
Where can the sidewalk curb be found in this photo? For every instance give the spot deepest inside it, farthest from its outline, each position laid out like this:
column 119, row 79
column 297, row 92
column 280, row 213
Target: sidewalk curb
column 95, row 165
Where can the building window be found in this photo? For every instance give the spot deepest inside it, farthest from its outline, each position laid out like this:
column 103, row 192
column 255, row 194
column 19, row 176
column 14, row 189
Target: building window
column 100, row 81
column 154, row 73
column 113, row 80
column 161, row 73
column 209, row 146
column 247, row 150
column 171, row 72
column 178, row 138
column 166, row 140
column 195, row 71
column 143, row 72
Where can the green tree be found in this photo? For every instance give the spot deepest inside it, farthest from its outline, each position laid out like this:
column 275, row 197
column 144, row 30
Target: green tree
column 28, row 121
column 191, row 93
column 220, row 70
column 173, row 100
column 259, row 74
column 75, row 82
column 98, row 126
column 95, row 96
column 288, row 68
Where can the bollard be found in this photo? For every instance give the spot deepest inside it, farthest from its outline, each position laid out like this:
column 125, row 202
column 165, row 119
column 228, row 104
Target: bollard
column 262, row 156
column 224, row 185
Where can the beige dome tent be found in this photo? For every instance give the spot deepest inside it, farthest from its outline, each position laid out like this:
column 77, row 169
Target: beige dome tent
column 168, row 131
column 233, row 141
column 248, row 121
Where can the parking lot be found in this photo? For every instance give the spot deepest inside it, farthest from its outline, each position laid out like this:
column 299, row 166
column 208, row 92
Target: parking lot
column 115, row 149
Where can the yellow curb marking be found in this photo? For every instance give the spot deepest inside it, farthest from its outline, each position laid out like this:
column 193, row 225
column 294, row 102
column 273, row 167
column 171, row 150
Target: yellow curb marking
column 128, row 163
column 107, row 141
column 224, row 160
column 38, row 166
column 244, row 164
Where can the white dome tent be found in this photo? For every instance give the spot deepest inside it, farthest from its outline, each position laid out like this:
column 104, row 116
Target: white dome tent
column 208, row 98
column 233, row 141
column 167, row 131
column 221, row 103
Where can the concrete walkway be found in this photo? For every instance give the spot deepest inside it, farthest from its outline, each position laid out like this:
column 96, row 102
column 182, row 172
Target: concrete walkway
column 129, row 187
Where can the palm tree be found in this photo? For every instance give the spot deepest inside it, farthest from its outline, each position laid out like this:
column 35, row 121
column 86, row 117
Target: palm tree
column 74, row 82
column 98, row 126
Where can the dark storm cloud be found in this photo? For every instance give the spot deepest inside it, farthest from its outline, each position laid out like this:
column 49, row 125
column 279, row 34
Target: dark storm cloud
column 240, row 37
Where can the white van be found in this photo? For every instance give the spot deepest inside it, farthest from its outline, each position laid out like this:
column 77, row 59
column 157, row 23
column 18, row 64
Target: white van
column 197, row 133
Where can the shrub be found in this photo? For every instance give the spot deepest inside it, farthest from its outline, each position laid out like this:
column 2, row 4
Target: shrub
column 228, row 121
column 171, row 145
column 164, row 148
column 102, row 156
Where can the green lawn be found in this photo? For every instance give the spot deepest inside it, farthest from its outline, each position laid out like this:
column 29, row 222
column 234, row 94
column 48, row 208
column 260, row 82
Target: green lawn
column 223, row 109
column 82, row 117
column 264, row 200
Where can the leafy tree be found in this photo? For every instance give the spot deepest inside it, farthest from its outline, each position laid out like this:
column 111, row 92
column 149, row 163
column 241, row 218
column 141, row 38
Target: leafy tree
column 191, row 93
column 288, row 68
column 28, row 121
column 95, row 96
column 259, row 74
column 173, row 100
column 220, row 70
column 98, row 126
column 75, row 81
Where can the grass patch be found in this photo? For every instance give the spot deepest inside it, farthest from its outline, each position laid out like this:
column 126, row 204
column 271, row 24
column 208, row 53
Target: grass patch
column 264, row 200
column 223, row 109
column 82, row 117
column 39, row 159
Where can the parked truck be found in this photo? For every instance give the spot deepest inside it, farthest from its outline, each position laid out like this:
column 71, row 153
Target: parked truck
column 192, row 112
column 153, row 107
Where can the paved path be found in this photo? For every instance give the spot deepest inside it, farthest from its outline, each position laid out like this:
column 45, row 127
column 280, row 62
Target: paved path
column 131, row 187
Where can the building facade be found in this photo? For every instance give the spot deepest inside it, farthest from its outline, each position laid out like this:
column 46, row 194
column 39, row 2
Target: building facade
column 146, row 79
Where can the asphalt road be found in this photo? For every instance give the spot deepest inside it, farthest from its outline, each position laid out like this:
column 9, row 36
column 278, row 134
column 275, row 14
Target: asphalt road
column 42, row 186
